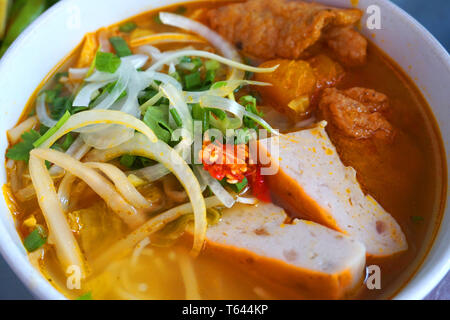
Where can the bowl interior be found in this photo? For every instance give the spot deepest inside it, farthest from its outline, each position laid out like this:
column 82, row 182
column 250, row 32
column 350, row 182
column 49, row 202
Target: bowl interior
column 59, row 30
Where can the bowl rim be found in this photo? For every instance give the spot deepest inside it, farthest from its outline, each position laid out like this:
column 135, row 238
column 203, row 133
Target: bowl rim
column 40, row 288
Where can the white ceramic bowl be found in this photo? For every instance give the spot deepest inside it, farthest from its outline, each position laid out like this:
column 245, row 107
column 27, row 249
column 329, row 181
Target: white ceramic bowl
column 60, row 29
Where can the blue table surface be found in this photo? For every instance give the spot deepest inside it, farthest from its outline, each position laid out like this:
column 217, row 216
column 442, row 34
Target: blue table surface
column 433, row 14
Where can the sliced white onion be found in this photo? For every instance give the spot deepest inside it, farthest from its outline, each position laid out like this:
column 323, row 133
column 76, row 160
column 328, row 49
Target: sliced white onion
column 137, row 60
column 151, row 173
column 246, row 200
column 215, row 186
column 151, row 51
column 87, row 93
column 108, row 136
column 177, row 101
column 162, row 77
column 208, row 55
column 224, row 104
column 125, row 72
column 236, row 109
column 226, row 89
column 41, row 111
column 222, row 45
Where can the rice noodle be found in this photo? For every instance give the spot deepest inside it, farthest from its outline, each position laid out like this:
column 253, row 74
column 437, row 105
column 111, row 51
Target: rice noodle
column 150, row 227
column 154, row 149
column 96, row 182
column 138, row 251
column 189, row 278
column 123, row 185
column 16, row 133
column 77, row 150
column 64, row 190
column 67, row 248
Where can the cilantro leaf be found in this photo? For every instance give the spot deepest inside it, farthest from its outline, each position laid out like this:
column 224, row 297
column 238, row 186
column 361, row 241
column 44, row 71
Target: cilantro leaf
column 107, row 62
column 21, row 151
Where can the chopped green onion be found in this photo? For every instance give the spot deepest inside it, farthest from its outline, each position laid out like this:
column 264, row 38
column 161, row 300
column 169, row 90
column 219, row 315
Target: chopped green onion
column 35, row 239
column 127, row 160
column 241, row 185
column 52, row 131
column 212, row 65
column 86, row 296
column 210, row 76
column 127, row 27
column 120, row 46
column 176, row 117
column 67, row 141
column 107, row 62
column 192, row 80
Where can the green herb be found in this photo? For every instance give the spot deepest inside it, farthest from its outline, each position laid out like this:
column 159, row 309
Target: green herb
column 241, row 185
column 120, row 46
column 249, row 102
column 52, row 94
column 192, row 80
column 86, row 296
column 52, row 131
column 127, row 160
column 157, row 118
column 107, row 62
column 35, row 239
column 60, row 106
column 176, row 117
column 127, row 27
column 21, row 151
